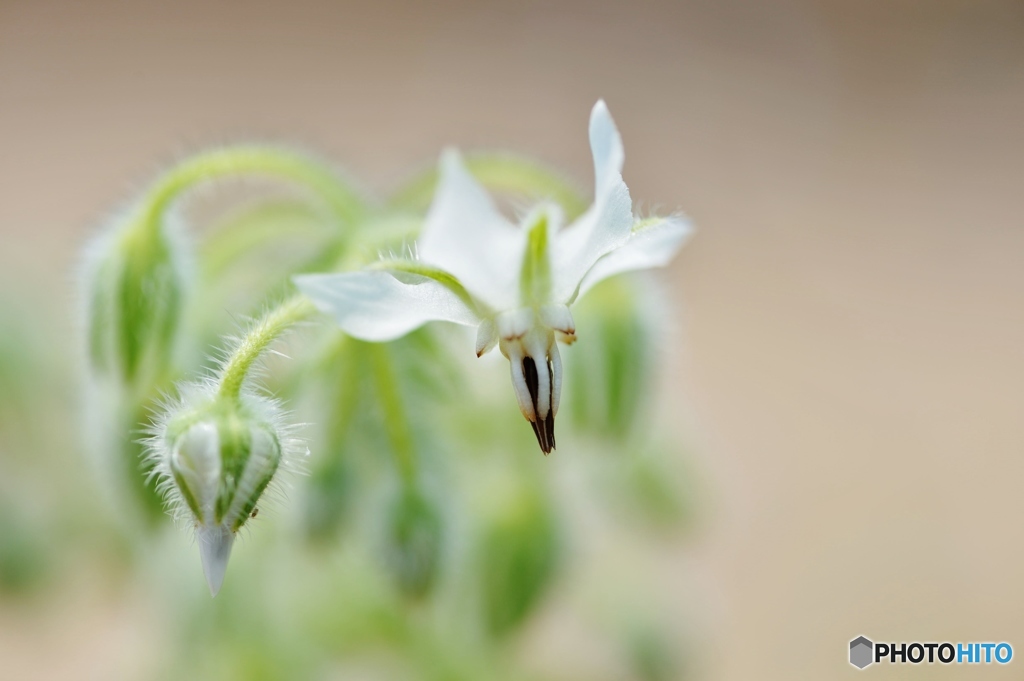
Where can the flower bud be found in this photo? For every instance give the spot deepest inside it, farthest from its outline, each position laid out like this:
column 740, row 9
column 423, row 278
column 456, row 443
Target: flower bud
column 135, row 288
column 214, row 463
column 413, row 548
column 612, row 373
column 518, row 555
column 652, row 655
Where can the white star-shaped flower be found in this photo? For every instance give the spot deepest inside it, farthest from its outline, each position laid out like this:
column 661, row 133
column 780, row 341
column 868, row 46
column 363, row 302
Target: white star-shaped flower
column 514, row 283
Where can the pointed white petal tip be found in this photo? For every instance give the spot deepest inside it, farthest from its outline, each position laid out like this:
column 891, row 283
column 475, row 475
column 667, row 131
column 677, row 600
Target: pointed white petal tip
column 514, row 323
column 450, row 157
column 605, row 141
column 214, row 549
column 559, row 318
column 486, row 337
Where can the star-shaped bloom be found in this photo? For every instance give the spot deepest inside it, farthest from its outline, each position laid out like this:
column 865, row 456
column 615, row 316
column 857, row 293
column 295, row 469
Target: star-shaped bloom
column 514, row 283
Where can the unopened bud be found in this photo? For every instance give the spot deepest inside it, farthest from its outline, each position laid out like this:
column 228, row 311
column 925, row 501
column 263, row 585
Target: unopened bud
column 214, row 462
column 518, row 555
column 135, row 288
column 414, row 538
column 612, row 373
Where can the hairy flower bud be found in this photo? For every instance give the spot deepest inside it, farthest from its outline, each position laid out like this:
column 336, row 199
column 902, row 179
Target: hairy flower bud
column 215, row 458
column 612, row 375
column 518, row 555
column 135, row 288
column 413, row 545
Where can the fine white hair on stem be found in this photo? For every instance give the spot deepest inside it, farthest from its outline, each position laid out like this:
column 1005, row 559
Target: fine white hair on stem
column 194, row 403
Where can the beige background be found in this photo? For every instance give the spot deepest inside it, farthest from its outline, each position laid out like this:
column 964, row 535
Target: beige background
column 852, row 308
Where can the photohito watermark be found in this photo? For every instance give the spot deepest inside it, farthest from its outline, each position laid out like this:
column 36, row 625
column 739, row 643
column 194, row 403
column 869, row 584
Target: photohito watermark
column 864, row 652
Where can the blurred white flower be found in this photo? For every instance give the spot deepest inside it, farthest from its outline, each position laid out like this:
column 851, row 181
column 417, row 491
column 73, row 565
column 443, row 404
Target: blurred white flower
column 514, row 283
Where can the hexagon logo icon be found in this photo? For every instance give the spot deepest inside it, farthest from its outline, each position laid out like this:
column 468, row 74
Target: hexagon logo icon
column 861, row 652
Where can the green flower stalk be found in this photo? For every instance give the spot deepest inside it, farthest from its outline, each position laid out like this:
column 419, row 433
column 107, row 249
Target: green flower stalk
column 137, row 284
column 138, row 271
column 218, row 448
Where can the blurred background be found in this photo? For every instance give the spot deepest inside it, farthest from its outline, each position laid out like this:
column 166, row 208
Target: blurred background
column 846, row 369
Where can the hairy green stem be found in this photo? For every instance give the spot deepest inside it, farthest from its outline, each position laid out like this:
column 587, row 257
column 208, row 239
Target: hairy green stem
column 250, row 160
column 264, row 332
column 257, row 228
column 395, row 421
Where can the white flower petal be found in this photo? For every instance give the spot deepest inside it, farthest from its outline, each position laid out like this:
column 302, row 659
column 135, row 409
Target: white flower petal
column 465, row 235
column 559, row 318
column 606, row 147
column 377, row 306
column 650, row 246
column 214, row 550
column 606, row 225
column 486, row 337
column 515, row 323
column 196, row 459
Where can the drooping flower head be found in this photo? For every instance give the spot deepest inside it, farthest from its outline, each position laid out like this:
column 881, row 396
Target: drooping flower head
column 515, row 283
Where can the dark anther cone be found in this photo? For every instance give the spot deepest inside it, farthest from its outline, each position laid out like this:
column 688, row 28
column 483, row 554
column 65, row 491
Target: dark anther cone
column 543, row 426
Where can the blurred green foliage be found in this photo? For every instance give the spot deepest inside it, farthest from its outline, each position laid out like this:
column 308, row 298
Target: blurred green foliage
column 611, row 375
column 427, row 533
column 23, row 559
column 413, row 542
column 518, row 554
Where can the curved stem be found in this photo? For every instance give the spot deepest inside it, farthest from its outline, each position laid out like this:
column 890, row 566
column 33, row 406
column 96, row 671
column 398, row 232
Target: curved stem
column 502, row 173
column 264, row 332
column 251, row 160
column 257, row 228
column 395, row 421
